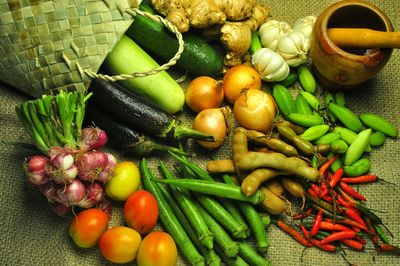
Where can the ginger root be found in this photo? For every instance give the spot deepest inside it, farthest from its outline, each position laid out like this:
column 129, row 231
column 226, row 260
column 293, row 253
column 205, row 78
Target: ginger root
column 232, row 21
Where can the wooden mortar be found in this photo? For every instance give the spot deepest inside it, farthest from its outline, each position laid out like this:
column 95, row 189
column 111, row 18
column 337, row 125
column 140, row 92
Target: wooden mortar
column 341, row 68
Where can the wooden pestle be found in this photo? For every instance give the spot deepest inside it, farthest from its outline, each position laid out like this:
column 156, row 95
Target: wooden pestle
column 364, row 38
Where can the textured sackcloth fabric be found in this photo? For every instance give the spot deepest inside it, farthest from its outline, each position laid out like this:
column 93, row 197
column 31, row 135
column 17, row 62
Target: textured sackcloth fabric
column 32, row 235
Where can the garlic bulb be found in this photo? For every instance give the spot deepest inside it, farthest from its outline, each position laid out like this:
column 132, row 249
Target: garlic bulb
column 293, row 47
column 305, row 25
column 270, row 65
column 271, row 32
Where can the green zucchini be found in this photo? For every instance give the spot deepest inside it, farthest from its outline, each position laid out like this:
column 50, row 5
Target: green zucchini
column 198, row 57
column 158, row 89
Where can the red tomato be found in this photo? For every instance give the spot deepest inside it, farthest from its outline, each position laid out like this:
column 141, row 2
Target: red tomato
column 141, row 211
column 87, row 227
column 157, row 249
column 120, row 244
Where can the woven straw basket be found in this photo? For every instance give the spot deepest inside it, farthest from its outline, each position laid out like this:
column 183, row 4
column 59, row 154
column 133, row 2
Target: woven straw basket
column 61, row 44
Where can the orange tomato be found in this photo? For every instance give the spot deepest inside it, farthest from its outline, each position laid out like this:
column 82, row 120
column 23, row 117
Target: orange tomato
column 157, row 249
column 87, row 227
column 141, row 211
column 120, row 244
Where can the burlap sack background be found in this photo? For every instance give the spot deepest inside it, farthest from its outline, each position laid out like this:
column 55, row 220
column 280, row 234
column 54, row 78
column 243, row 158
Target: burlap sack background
column 30, row 234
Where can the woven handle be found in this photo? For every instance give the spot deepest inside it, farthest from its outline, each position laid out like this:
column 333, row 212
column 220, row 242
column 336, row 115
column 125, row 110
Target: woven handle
column 170, row 27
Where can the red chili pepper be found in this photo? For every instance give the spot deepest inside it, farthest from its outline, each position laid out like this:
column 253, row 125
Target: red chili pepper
column 346, row 196
column 354, row 224
column 352, row 213
column 302, row 215
column 305, row 232
column 294, row 233
column 340, row 200
column 372, row 232
column 335, row 178
column 316, row 189
column 361, row 240
column 317, row 223
column 338, row 236
column 324, row 168
column 360, row 179
column 328, row 225
column 353, row 243
column 326, row 247
column 349, row 190
column 312, row 193
column 389, row 248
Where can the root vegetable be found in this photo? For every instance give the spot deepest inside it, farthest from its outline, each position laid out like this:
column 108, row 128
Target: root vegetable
column 238, row 78
column 214, row 122
column 35, row 169
column 62, row 168
column 93, row 138
column 236, row 21
column 294, row 165
column 204, row 92
column 91, row 164
column 255, row 109
column 71, row 194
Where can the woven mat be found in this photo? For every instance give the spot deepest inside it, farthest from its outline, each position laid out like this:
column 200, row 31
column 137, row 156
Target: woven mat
column 32, row 235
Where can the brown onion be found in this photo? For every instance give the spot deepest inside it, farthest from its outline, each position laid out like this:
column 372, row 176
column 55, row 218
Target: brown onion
column 204, row 92
column 238, row 78
column 255, row 109
column 213, row 121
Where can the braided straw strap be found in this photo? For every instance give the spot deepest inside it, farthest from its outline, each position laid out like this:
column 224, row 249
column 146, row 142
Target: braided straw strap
column 166, row 66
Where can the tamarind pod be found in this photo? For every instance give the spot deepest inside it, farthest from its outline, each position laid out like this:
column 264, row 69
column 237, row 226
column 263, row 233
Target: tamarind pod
column 279, row 146
column 221, row 166
column 358, row 168
column 347, row 117
column 294, row 187
column 303, row 145
column 348, row 136
column 339, row 146
column 328, row 138
column 296, row 128
column 253, row 181
column 306, row 78
column 302, row 106
column 312, row 100
column 272, row 203
column 305, row 120
column 357, row 148
column 322, row 148
column 275, row 187
column 272, row 143
column 377, row 139
column 294, row 165
column 378, row 123
column 283, row 99
column 314, row 132
column 328, row 99
column 239, row 148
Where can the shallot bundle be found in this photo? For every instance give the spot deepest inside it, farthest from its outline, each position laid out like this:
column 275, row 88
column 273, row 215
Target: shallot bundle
column 72, row 168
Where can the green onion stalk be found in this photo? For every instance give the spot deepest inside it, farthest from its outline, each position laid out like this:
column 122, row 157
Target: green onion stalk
column 54, row 120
